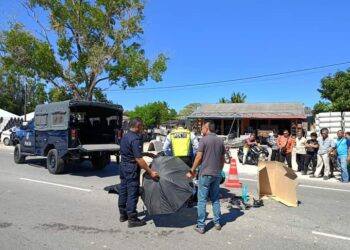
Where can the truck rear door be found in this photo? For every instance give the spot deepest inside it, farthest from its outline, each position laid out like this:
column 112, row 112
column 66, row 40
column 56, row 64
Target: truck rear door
column 28, row 139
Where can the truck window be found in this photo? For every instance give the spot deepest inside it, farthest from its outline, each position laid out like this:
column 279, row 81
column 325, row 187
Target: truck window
column 114, row 121
column 58, row 119
column 95, row 121
column 77, row 117
column 41, row 121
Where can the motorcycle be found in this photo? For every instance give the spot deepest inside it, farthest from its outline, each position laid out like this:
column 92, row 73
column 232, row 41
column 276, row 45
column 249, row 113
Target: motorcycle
column 255, row 154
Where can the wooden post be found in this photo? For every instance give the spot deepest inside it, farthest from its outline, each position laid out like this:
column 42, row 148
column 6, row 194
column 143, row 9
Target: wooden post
column 222, row 126
column 242, row 125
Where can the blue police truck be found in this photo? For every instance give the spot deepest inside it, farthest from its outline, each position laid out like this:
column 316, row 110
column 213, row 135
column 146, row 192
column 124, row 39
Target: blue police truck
column 71, row 130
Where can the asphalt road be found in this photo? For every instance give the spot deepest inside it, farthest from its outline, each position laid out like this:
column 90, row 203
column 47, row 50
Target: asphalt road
column 72, row 211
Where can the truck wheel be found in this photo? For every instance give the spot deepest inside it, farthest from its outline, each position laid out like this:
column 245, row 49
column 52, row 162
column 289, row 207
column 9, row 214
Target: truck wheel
column 54, row 164
column 100, row 162
column 6, row 141
column 17, row 155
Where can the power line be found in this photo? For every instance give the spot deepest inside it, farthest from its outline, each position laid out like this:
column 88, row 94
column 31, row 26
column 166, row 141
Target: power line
column 241, row 83
column 236, row 79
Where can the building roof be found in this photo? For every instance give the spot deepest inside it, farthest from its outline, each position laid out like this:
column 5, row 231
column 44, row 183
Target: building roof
column 281, row 110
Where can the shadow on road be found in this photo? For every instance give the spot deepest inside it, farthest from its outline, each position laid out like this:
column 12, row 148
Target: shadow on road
column 226, row 218
column 227, row 194
column 188, row 217
column 36, row 162
column 183, row 218
column 231, row 215
column 83, row 169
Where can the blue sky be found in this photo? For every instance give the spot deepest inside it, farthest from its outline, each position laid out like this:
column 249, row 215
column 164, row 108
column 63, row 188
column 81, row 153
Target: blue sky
column 218, row 40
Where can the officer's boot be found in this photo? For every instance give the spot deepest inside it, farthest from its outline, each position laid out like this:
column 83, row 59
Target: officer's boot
column 133, row 221
column 123, row 217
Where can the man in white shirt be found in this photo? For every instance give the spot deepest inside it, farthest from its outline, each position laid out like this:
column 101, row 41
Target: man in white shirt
column 300, row 142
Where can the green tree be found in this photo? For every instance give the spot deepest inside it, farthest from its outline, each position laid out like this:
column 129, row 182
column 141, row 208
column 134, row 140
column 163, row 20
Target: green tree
column 62, row 94
column 96, row 41
column 322, row 107
column 223, row 100
column 238, row 97
column 15, row 90
column 172, row 114
column 11, row 94
column 235, row 98
column 36, row 94
column 153, row 114
column 188, row 109
column 59, row 94
column 335, row 91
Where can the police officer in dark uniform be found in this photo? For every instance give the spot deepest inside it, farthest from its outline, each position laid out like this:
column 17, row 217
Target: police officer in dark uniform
column 131, row 151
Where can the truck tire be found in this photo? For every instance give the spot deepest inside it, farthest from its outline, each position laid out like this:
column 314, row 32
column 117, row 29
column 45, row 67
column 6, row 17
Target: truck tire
column 6, row 141
column 17, row 155
column 100, row 162
column 54, row 164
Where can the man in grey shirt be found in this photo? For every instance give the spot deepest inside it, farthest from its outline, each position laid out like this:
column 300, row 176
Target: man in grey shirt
column 326, row 146
column 211, row 158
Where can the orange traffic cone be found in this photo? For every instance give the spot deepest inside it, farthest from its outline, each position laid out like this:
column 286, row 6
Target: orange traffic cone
column 232, row 179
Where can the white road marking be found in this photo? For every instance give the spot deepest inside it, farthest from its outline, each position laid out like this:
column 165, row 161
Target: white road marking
column 247, row 179
column 331, row 235
column 325, row 188
column 56, row 184
column 307, row 186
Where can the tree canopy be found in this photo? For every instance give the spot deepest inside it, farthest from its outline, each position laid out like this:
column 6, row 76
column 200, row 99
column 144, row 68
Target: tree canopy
column 96, row 41
column 188, row 109
column 153, row 114
column 14, row 93
column 335, row 92
column 236, row 97
column 321, row 106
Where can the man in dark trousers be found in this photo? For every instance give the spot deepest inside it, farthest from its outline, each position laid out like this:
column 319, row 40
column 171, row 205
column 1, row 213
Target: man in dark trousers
column 285, row 144
column 211, row 158
column 131, row 151
column 311, row 153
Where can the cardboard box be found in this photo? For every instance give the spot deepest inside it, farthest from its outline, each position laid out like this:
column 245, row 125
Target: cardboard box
column 278, row 182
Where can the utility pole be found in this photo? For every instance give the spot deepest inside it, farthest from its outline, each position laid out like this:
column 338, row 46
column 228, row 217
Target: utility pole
column 25, row 102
